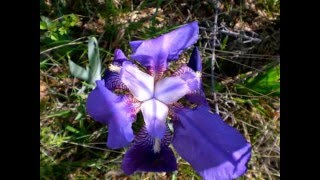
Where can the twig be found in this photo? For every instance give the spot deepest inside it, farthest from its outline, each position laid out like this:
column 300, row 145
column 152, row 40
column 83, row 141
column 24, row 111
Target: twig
column 239, row 53
column 92, row 147
column 56, row 47
column 243, row 36
column 244, row 65
column 213, row 57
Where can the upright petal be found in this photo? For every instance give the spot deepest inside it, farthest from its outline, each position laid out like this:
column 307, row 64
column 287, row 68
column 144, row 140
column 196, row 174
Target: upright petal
column 180, row 39
column 119, row 56
column 115, row 111
column 135, row 44
column 171, row 89
column 195, row 63
column 142, row 156
column 155, row 114
column 140, row 84
column 155, row 53
column 213, row 148
column 152, row 57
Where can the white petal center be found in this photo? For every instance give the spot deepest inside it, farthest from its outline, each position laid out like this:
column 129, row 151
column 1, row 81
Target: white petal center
column 155, row 114
column 170, row 90
column 140, row 84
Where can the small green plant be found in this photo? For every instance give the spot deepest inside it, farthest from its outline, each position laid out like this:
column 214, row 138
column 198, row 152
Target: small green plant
column 58, row 27
column 265, row 83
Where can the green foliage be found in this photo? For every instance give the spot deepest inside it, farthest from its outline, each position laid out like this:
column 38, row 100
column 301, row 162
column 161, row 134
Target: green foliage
column 266, row 83
column 78, row 71
column 271, row 5
column 62, row 113
column 94, row 60
column 224, row 43
column 55, row 29
column 93, row 71
column 48, row 137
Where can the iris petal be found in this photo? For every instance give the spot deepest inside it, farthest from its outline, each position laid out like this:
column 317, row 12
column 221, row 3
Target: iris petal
column 197, row 97
column 155, row 114
column 115, row 111
column 171, row 89
column 195, row 63
column 135, row 44
column 140, row 84
column 213, row 148
column 141, row 156
column 112, row 79
column 178, row 40
column 119, row 57
column 155, row 63
column 155, row 53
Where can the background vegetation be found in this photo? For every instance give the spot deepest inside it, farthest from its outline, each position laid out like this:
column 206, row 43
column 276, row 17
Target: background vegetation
column 247, row 78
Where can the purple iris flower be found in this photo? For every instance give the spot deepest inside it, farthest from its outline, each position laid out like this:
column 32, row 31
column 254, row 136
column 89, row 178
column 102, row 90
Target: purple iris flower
column 213, row 148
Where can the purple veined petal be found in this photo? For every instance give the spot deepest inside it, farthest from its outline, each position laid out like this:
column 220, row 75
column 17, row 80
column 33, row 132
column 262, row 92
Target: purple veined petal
column 155, row 53
column 111, row 78
column 115, row 111
column 140, row 84
column 148, row 154
column 113, row 81
column 187, row 74
column 155, row 114
column 212, row 147
column 171, row 89
column 156, row 62
column 196, row 95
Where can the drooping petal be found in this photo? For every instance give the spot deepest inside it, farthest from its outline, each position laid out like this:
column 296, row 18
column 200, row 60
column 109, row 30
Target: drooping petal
column 143, row 157
column 155, row 114
column 115, row 111
column 171, row 89
column 197, row 97
column 140, row 84
column 155, row 53
column 213, row 148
